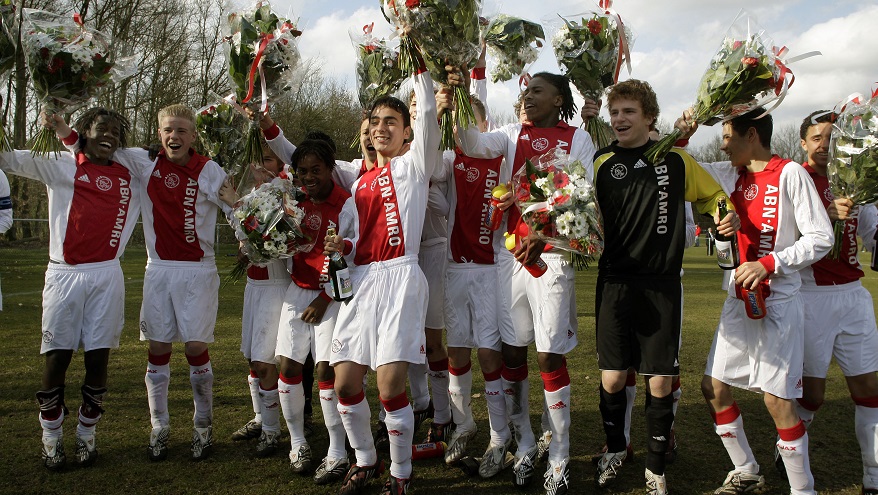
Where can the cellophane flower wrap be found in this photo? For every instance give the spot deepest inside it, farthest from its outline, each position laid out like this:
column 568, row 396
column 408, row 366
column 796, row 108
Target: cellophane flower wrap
column 558, row 203
column 514, row 43
column 262, row 57
column 8, row 37
column 591, row 48
column 221, row 138
column 69, row 65
column 446, row 33
column 747, row 72
column 853, row 157
column 378, row 66
column 269, row 223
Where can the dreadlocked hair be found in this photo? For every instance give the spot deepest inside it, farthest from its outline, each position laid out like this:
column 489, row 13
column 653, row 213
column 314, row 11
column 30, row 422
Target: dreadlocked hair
column 562, row 84
column 85, row 120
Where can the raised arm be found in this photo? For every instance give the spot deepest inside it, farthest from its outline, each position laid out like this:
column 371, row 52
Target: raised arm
column 425, row 145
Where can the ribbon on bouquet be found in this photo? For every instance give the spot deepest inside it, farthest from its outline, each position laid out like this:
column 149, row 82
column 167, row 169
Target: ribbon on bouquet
column 624, row 50
column 782, row 86
column 260, row 45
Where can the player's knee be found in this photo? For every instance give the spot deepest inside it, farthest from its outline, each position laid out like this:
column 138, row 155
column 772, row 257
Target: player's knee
column 194, row 348
column 550, row 362
column 514, row 356
column 325, row 372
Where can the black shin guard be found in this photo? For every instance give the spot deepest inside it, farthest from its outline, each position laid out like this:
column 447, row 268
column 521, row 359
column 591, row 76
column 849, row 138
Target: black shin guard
column 92, row 400
column 52, row 402
column 659, row 420
column 613, row 413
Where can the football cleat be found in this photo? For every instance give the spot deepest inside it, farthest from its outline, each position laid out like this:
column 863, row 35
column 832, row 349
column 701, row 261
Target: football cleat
column 300, row 460
column 267, row 445
column 557, row 478
column 457, row 445
column 543, row 445
column 158, row 443
column 496, row 459
column 869, row 491
column 53, row 454
column 358, row 477
column 439, row 432
column 251, row 430
column 396, row 486
column 737, row 482
column 608, row 467
column 381, row 437
column 202, row 443
column 656, row 484
column 523, row 468
column 330, row 470
column 422, row 415
column 629, row 455
column 308, row 425
column 86, row 451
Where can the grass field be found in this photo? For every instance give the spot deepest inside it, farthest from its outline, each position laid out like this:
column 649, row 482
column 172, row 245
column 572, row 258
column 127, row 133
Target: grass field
column 124, row 430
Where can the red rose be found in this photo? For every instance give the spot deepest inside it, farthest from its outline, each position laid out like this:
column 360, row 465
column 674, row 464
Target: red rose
column 749, row 62
column 369, row 48
column 412, row 3
column 595, row 27
column 97, row 56
column 251, row 224
column 736, row 45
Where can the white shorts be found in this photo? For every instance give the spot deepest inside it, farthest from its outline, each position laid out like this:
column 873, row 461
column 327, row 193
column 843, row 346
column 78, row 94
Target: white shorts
column 840, row 322
column 515, row 318
column 180, row 300
column 295, row 338
column 263, row 301
column 83, row 306
column 760, row 355
column 384, row 321
column 471, row 306
column 433, row 261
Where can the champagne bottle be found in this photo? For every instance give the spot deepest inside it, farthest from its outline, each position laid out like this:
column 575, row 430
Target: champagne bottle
column 339, row 276
column 726, row 245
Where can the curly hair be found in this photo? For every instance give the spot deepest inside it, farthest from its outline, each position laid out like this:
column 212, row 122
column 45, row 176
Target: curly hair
column 637, row 90
column 562, row 84
column 86, row 119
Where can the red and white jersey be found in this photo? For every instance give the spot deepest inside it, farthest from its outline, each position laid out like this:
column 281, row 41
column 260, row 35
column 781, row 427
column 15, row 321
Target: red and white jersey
column 471, row 181
column 311, row 269
column 92, row 208
column 783, row 221
column 180, row 204
column 344, row 173
column 847, row 268
column 385, row 215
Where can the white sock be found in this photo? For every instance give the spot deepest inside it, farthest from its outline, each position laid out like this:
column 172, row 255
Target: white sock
column 292, row 403
column 516, row 392
column 559, row 421
column 402, row 420
column 631, row 393
column 253, row 384
column 157, row 378
column 795, row 459
column 460, row 388
column 438, row 375
column 497, row 418
column 806, row 414
column 52, row 429
column 355, row 415
column 270, row 409
column 420, row 391
column 201, row 379
column 86, row 426
column 332, row 420
column 866, row 423
column 735, row 441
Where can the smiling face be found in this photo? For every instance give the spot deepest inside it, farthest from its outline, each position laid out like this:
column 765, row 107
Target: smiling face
column 630, row 125
column 366, row 142
column 388, row 131
column 316, row 176
column 102, row 139
column 816, row 144
column 541, row 102
column 177, row 134
column 736, row 146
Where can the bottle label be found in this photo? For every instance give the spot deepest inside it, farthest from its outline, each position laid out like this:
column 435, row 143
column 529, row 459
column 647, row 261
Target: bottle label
column 724, row 257
column 344, row 284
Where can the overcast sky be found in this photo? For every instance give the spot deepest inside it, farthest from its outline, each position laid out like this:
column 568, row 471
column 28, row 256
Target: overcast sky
column 674, row 41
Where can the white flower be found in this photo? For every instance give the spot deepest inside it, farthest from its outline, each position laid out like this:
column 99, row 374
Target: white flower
column 870, row 141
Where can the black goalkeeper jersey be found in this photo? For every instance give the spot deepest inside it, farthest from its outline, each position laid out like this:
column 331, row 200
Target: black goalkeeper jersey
column 643, row 210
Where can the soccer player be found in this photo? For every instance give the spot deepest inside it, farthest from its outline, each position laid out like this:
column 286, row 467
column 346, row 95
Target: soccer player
column 5, row 212
column 784, row 228
column 93, row 207
column 644, row 237
column 309, row 314
column 839, row 315
column 380, row 233
column 263, row 299
column 543, row 310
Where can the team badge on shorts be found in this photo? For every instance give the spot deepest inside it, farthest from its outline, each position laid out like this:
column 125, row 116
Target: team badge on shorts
column 336, row 345
column 143, row 327
column 619, row 171
column 48, row 337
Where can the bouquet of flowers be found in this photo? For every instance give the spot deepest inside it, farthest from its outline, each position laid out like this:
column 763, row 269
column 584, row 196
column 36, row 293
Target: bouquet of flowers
column 378, row 67
column 853, row 156
column 219, row 132
column 747, row 72
column 270, row 224
column 592, row 52
column 262, row 55
column 8, row 35
column 446, row 33
column 69, row 66
column 514, row 43
column 558, row 203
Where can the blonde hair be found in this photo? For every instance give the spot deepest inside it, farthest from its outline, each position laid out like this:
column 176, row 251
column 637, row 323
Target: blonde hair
column 177, row 110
